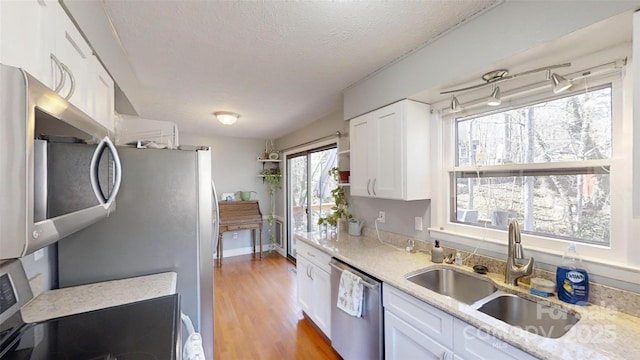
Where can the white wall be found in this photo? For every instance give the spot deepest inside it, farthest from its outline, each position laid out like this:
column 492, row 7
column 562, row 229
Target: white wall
column 508, row 29
column 234, row 168
column 325, row 126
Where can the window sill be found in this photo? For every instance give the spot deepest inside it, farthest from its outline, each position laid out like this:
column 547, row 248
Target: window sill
column 604, row 272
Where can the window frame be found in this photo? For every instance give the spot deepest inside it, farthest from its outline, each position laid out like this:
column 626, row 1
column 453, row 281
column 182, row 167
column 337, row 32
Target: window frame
column 563, row 167
column 493, row 240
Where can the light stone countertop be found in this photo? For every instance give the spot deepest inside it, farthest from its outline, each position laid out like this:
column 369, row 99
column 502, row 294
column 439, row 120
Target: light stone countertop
column 78, row 299
column 601, row 333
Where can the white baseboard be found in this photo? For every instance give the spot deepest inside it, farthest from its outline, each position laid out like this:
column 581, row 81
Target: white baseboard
column 239, row 251
column 248, row 250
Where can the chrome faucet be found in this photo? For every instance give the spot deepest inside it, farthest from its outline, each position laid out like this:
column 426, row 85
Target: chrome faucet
column 514, row 271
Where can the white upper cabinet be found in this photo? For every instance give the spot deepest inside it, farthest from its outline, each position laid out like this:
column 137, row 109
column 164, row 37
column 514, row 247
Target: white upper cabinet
column 70, row 60
column 390, row 152
column 24, row 36
column 102, row 101
column 39, row 37
column 359, row 129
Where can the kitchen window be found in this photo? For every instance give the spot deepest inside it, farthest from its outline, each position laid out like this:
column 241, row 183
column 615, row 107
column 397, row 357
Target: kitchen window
column 559, row 164
column 546, row 164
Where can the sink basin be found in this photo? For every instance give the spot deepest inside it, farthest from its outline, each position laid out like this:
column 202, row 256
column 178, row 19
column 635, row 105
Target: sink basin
column 458, row 285
column 536, row 318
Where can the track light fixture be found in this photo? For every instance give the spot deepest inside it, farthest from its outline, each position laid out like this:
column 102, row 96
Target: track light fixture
column 455, row 104
column 494, row 99
column 494, row 77
column 560, row 84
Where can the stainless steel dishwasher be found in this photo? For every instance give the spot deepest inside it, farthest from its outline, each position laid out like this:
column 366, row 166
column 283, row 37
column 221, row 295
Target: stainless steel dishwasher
column 352, row 337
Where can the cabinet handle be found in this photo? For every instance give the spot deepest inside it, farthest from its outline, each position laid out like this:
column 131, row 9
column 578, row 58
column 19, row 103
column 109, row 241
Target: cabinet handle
column 59, row 66
column 72, row 79
column 310, row 254
column 368, row 182
column 387, row 115
column 373, row 187
column 311, row 272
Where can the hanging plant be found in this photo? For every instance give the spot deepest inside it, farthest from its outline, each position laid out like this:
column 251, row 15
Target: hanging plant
column 340, row 207
column 272, row 178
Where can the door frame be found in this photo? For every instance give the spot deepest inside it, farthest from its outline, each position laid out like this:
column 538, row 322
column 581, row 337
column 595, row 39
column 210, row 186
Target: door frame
column 285, row 186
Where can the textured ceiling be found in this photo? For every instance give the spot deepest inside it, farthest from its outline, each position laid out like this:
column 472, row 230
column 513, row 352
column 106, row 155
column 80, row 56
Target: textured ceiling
column 281, row 65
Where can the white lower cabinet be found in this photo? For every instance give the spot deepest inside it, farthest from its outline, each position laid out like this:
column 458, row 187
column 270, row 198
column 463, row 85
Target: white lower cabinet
column 470, row 342
column 402, row 341
column 314, row 286
column 416, row 330
column 305, row 285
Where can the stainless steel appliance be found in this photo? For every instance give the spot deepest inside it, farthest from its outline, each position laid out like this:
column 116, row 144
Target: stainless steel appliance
column 352, row 337
column 165, row 222
column 29, row 112
column 146, row 329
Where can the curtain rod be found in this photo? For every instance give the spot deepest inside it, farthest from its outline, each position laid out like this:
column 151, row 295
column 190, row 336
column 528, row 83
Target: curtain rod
column 337, row 134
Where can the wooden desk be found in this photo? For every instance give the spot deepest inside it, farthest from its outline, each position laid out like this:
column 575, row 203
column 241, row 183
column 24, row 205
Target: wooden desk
column 239, row 215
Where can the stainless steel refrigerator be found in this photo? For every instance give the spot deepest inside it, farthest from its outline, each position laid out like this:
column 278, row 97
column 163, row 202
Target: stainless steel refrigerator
column 165, row 221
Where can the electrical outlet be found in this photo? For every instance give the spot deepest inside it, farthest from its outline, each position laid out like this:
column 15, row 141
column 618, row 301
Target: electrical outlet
column 418, row 221
column 381, row 216
column 235, row 235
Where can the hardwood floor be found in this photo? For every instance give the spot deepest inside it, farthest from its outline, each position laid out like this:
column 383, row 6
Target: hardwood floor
column 256, row 315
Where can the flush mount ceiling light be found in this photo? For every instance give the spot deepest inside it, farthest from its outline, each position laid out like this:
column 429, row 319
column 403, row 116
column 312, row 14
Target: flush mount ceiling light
column 494, row 98
column 226, row 117
column 492, row 78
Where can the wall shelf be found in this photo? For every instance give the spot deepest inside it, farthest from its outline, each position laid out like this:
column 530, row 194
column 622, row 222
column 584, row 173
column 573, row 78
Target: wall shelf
column 268, row 161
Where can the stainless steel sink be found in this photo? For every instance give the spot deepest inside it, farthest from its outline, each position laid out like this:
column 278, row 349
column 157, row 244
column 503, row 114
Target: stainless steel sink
column 536, row 318
column 458, row 285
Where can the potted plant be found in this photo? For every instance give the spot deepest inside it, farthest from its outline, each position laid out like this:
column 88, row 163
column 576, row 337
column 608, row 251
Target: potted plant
column 322, row 224
column 340, row 206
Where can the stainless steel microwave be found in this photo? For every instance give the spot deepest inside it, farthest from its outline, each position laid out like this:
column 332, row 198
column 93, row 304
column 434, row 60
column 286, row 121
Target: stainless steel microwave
column 59, row 171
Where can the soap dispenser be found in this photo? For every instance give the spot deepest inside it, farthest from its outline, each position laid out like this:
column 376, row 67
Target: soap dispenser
column 437, row 253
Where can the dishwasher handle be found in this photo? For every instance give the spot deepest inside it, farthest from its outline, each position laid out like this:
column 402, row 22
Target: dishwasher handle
column 363, row 281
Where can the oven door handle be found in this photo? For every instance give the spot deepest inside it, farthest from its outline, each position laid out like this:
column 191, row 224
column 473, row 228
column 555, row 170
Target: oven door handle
column 94, row 167
column 362, row 280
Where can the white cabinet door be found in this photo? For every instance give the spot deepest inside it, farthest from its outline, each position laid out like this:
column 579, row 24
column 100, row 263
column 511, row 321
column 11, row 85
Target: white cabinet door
column 74, row 55
column 403, row 341
column 359, row 129
column 102, row 95
column 390, row 152
column 305, row 284
column 321, row 299
column 386, row 146
column 24, row 31
column 471, row 343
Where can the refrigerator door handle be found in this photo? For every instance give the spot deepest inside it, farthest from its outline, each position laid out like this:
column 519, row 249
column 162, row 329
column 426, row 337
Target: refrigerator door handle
column 216, row 218
column 95, row 164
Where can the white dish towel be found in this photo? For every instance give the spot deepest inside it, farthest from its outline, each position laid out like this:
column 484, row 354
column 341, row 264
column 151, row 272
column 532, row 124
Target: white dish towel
column 350, row 294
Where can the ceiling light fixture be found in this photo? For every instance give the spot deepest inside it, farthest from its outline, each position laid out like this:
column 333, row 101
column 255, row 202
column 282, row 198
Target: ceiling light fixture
column 455, row 104
column 560, row 83
column 497, row 76
column 226, row 117
column 494, row 99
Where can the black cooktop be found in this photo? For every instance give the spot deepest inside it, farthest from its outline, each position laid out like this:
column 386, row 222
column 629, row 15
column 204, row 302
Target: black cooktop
column 142, row 330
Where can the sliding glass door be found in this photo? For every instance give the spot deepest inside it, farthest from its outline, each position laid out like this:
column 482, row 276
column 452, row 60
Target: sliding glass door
column 308, row 190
